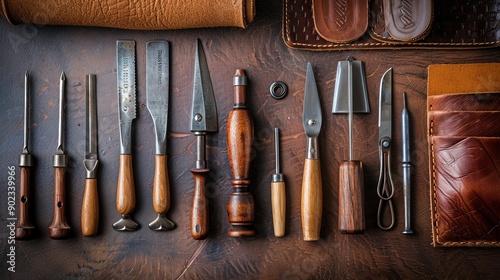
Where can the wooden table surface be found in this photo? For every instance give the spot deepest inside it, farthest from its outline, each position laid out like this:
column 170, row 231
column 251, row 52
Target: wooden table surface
column 45, row 51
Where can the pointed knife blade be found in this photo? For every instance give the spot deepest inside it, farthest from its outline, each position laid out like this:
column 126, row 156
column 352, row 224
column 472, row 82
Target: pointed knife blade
column 385, row 105
column 204, row 109
column 157, row 89
column 311, row 115
column 125, row 60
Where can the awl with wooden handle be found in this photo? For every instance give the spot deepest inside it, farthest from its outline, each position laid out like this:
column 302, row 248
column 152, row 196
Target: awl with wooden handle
column 90, row 203
column 278, row 194
column 312, row 190
column 24, row 225
column 125, row 189
column 157, row 91
column 59, row 227
column 203, row 121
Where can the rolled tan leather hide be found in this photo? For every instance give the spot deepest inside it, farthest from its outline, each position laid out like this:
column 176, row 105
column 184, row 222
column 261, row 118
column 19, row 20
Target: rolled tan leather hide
column 133, row 14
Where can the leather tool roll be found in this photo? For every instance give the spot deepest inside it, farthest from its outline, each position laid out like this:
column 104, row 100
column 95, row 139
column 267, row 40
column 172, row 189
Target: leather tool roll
column 133, row 14
column 464, row 154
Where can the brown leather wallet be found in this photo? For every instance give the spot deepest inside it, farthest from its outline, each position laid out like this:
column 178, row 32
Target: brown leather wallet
column 142, row 15
column 456, row 24
column 464, row 154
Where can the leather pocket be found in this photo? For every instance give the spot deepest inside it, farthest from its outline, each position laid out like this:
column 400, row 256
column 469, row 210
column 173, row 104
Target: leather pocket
column 459, row 123
column 408, row 20
column 464, row 102
column 465, row 179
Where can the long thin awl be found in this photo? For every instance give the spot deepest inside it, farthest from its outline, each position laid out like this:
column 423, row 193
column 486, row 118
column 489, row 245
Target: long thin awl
column 312, row 190
column 90, row 203
column 24, row 226
column 59, row 227
column 203, row 121
column 406, row 165
column 157, row 91
column 125, row 190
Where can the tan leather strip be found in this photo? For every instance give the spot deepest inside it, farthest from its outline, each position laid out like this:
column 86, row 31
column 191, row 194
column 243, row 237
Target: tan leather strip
column 140, row 15
column 463, row 78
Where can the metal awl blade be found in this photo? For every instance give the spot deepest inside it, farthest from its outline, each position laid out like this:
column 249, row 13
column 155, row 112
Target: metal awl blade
column 90, row 161
column 204, row 109
column 157, row 89
column 311, row 116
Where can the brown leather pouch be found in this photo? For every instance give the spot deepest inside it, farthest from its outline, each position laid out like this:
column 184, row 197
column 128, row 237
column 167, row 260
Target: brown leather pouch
column 142, row 15
column 340, row 20
column 464, row 155
column 456, row 24
column 405, row 20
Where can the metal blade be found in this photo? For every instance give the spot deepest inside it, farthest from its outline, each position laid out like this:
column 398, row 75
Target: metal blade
column 385, row 105
column 91, row 127
column 204, row 109
column 157, row 89
column 311, row 116
column 125, row 60
column 26, row 134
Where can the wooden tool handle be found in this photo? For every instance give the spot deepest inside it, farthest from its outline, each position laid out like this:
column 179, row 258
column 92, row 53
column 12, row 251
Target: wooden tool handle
column 278, row 202
column 59, row 227
column 199, row 210
column 161, row 185
column 312, row 200
column 125, row 190
column 90, row 208
column 24, row 227
column 351, row 197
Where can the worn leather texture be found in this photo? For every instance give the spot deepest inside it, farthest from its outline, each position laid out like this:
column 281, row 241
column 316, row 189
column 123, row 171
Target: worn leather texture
column 464, row 158
column 458, row 24
column 140, row 15
column 406, row 20
column 340, row 20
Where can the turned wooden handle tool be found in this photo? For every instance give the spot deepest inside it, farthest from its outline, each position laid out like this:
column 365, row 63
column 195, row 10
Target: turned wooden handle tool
column 24, row 226
column 240, row 206
column 59, row 228
column 90, row 201
column 278, row 192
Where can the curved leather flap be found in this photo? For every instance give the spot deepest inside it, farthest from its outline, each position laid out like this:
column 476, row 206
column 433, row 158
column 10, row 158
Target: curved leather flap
column 340, row 20
column 408, row 20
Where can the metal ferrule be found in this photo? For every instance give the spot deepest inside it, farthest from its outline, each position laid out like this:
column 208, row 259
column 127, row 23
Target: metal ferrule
column 59, row 160
column 90, row 167
column 278, row 177
column 312, row 148
column 201, row 162
column 239, row 81
column 25, row 160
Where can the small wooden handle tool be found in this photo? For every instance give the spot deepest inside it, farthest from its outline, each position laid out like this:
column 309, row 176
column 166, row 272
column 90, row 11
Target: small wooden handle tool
column 90, row 203
column 278, row 194
column 59, row 227
column 24, row 226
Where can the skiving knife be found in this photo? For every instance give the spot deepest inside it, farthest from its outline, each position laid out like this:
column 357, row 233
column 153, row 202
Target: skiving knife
column 312, row 193
column 125, row 190
column 203, row 120
column 157, row 91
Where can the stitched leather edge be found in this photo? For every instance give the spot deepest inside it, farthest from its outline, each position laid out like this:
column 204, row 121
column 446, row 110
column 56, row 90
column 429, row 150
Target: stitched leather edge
column 375, row 45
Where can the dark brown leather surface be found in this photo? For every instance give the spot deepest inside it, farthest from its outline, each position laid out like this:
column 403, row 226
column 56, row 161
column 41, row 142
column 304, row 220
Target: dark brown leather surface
column 456, row 25
column 340, row 21
column 45, row 51
column 456, row 123
column 465, row 102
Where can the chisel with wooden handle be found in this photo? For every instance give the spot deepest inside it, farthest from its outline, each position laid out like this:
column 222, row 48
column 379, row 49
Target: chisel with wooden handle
column 157, row 91
column 59, row 228
column 90, row 203
column 278, row 194
column 24, row 225
column 125, row 190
